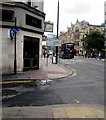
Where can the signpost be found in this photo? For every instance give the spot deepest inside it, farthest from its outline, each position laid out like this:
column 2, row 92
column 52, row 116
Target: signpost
column 13, row 33
column 53, row 42
column 15, row 60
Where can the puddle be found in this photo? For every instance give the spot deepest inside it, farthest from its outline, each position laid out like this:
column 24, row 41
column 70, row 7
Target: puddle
column 16, row 89
column 6, row 92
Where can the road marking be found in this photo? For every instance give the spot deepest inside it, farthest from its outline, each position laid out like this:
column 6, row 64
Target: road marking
column 56, row 75
column 15, row 82
column 77, row 101
column 49, row 80
column 27, row 81
column 74, row 73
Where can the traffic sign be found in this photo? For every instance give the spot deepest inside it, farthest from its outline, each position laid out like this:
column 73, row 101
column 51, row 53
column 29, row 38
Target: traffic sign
column 11, row 33
column 53, row 42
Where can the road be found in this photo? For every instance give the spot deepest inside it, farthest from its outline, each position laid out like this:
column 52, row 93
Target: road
column 84, row 86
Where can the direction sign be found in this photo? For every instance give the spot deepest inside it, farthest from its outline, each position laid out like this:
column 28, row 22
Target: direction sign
column 11, row 33
column 53, row 42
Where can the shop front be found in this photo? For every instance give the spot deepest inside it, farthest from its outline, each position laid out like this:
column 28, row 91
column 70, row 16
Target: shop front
column 31, row 53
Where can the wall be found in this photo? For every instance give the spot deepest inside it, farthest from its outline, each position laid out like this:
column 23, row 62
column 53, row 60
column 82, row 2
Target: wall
column 8, row 50
column 21, row 18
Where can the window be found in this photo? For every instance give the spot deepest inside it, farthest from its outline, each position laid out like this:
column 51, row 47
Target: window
column 29, row 3
column 76, row 43
column 7, row 15
column 77, row 31
column 32, row 21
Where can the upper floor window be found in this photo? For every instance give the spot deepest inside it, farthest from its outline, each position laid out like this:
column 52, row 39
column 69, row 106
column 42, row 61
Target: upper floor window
column 32, row 21
column 76, row 30
column 29, row 3
column 76, row 43
column 7, row 15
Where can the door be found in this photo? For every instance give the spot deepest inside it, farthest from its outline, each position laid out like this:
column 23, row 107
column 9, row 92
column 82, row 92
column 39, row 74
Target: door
column 31, row 53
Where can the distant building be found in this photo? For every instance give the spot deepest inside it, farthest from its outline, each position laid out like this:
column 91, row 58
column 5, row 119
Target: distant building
column 30, row 25
column 76, row 32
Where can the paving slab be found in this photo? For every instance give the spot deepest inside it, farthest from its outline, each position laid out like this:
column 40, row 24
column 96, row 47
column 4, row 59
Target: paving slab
column 55, row 111
column 46, row 71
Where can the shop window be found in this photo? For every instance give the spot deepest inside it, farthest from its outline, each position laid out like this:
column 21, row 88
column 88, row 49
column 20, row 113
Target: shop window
column 7, row 15
column 32, row 21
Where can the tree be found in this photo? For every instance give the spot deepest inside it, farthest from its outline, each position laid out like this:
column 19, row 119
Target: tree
column 94, row 40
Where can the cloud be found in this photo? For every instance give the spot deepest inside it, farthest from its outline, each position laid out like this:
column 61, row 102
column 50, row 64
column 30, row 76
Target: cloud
column 79, row 8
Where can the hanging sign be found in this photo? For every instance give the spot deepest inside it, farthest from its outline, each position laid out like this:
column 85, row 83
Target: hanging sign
column 48, row 27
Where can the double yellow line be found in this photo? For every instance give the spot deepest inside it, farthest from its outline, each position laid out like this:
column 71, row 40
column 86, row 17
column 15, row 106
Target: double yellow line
column 74, row 73
column 7, row 82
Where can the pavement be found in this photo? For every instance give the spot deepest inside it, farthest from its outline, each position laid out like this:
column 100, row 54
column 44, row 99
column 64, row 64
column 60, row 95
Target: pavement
column 49, row 70
column 55, row 111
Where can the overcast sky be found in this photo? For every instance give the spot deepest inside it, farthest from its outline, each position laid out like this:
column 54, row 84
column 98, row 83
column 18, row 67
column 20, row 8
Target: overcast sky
column 89, row 10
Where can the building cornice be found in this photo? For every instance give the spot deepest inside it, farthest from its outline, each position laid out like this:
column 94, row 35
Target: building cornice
column 25, row 7
column 22, row 28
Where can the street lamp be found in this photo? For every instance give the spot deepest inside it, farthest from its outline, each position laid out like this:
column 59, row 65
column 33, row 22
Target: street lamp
column 57, row 31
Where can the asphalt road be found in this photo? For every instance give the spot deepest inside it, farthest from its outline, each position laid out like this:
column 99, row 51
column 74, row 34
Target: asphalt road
column 84, row 86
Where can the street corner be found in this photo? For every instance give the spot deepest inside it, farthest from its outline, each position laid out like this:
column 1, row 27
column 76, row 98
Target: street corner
column 56, row 75
column 73, row 73
column 64, row 72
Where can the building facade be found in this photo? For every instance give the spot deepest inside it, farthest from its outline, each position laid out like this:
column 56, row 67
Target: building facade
column 28, row 22
column 76, row 32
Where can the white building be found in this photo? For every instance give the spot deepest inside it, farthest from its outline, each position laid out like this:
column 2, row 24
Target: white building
column 30, row 23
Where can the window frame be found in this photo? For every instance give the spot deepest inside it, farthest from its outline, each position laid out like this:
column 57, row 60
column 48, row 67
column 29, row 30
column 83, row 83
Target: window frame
column 38, row 22
column 8, row 11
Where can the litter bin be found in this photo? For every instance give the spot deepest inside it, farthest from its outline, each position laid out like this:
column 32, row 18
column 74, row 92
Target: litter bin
column 54, row 59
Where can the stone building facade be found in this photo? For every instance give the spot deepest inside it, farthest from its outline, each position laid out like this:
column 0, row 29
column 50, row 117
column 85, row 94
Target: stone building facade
column 30, row 29
column 76, row 32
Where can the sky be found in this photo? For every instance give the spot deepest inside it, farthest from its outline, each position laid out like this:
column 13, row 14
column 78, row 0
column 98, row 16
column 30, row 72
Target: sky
column 91, row 11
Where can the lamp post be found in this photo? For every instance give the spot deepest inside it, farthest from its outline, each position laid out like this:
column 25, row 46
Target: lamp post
column 57, row 31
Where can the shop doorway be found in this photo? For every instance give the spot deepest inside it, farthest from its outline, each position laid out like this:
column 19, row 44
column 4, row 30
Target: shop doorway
column 31, row 53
